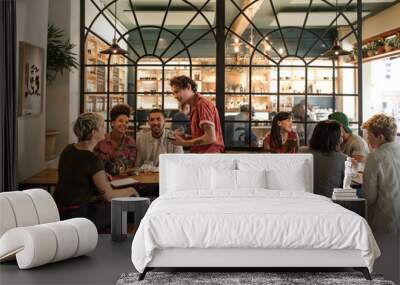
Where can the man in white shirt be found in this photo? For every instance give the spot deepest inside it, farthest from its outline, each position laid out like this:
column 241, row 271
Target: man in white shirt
column 151, row 144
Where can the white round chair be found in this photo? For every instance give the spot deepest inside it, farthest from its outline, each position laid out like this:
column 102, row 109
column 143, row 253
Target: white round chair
column 31, row 231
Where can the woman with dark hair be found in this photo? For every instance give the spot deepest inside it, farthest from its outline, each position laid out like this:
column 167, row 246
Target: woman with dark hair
column 117, row 150
column 328, row 159
column 282, row 139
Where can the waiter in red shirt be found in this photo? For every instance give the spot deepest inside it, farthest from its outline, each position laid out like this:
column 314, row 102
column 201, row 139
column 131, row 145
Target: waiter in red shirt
column 205, row 126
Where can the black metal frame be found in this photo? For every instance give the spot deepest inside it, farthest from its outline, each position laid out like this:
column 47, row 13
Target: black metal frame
column 135, row 62
column 221, row 33
column 307, row 64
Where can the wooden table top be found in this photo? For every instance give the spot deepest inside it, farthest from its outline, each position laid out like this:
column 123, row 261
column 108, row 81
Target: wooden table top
column 50, row 177
column 45, row 177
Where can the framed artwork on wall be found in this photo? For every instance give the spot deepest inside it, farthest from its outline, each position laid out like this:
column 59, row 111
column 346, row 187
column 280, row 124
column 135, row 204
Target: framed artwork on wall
column 31, row 79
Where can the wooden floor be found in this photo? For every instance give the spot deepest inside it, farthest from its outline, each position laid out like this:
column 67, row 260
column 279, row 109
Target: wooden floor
column 103, row 266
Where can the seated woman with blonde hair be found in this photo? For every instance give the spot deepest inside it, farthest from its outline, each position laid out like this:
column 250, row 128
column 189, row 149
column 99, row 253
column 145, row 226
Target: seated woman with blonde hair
column 83, row 189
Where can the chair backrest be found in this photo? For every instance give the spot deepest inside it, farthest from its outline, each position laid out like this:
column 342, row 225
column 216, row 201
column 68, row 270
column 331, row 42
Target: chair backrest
column 26, row 208
column 292, row 169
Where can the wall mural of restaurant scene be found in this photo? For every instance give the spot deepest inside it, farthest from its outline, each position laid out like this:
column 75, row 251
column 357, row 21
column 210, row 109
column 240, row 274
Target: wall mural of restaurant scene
column 274, row 59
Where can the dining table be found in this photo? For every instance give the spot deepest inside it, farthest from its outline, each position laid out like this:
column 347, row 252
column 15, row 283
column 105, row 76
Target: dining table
column 47, row 179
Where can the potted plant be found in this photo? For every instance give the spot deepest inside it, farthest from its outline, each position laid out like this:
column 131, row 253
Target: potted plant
column 59, row 53
column 371, row 49
column 354, row 54
column 390, row 44
column 380, row 46
column 364, row 51
column 397, row 41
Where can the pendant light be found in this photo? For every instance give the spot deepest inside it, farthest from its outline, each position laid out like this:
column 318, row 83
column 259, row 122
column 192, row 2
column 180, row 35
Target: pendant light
column 336, row 50
column 114, row 47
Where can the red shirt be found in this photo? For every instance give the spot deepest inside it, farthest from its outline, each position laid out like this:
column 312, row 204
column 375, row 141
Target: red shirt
column 125, row 153
column 204, row 111
column 290, row 146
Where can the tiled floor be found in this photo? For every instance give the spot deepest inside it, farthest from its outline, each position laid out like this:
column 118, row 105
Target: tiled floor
column 102, row 266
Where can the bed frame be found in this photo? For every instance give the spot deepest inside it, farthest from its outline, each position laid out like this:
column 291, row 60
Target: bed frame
column 240, row 259
column 248, row 259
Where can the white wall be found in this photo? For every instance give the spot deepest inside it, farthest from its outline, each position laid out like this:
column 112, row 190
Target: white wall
column 384, row 21
column 63, row 92
column 31, row 28
column 372, row 26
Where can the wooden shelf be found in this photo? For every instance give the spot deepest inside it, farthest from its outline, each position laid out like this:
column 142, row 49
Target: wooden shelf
column 382, row 55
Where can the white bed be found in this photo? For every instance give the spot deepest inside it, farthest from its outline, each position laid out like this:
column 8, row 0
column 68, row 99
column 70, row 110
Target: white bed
column 236, row 220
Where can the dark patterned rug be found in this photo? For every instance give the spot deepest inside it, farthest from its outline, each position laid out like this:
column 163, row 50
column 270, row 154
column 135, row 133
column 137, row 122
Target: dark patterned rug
column 229, row 278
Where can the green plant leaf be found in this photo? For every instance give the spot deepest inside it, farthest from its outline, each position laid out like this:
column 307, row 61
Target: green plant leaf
column 60, row 56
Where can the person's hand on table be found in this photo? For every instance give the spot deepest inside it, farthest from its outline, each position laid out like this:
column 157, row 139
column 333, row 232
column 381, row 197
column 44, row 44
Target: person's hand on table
column 109, row 177
column 135, row 193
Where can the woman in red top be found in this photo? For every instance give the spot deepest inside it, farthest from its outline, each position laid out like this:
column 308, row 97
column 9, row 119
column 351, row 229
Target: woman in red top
column 282, row 139
column 117, row 150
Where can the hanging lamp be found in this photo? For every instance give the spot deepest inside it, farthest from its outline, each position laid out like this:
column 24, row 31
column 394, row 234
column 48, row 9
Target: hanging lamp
column 114, row 48
column 336, row 50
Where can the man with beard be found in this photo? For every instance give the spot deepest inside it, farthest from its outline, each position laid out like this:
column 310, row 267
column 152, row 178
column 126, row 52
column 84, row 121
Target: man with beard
column 151, row 144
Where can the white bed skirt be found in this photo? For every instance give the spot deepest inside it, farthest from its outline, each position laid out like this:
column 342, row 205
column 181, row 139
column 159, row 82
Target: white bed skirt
column 189, row 257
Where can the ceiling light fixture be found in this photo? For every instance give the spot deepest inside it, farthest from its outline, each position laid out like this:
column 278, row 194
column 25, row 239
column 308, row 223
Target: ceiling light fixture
column 114, row 48
column 251, row 30
column 267, row 47
column 236, row 45
column 336, row 50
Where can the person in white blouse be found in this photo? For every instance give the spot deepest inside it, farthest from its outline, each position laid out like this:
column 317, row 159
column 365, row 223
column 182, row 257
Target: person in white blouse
column 151, row 144
column 381, row 185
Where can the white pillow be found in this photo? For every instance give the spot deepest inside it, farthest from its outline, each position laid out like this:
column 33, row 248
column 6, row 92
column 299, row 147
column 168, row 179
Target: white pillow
column 251, row 178
column 224, row 179
column 188, row 177
column 293, row 179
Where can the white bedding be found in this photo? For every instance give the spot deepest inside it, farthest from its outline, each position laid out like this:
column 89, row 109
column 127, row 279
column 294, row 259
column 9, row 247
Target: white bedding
column 250, row 218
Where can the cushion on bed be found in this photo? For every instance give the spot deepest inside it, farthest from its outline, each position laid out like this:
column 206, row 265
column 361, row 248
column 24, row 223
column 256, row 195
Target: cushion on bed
column 293, row 180
column 283, row 174
column 251, row 178
column 183, row 177
column 223, row 179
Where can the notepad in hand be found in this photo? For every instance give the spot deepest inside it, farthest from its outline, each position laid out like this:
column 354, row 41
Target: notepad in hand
column 123, row 182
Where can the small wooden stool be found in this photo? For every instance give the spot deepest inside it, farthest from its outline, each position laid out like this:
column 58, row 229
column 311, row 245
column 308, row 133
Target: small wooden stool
column 119, row 209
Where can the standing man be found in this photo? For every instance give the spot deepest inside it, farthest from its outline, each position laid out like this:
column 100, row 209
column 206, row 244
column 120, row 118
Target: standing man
column 151, row 144
column 205, row 126
column 353, row 145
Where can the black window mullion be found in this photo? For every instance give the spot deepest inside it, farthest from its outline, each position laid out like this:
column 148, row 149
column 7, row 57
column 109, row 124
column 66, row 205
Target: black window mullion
column 278, row 87
column 163, row 87
column 108, row 93
column 306, row 104
column 135, row 99
column 250, row 106
column 220, row 62
column 334, row 85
